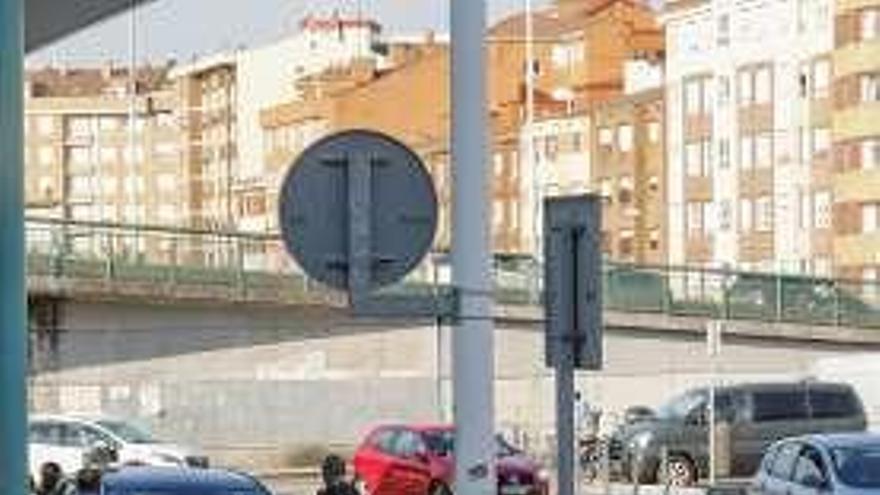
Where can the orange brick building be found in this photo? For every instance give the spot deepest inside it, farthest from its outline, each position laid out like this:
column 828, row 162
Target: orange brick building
column 580, row 49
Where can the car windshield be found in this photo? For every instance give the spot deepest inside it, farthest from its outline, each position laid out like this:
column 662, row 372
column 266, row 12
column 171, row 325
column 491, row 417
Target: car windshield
column 126, row 431
column 682, row 405
column 442, row 442
column 858, row 467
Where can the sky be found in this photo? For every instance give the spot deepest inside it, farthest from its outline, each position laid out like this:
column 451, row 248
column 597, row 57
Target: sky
column 182, row 29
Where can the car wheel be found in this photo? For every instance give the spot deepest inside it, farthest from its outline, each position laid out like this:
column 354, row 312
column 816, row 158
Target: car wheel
column 439, row 488
column 679, row 471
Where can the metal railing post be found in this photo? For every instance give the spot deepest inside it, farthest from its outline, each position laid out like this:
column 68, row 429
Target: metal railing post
column 778, row 300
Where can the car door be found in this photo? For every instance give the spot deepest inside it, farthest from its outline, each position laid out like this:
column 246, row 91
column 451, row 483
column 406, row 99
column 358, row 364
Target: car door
column 811, row 475
column 52, row 441
column 374, row 461
column 411, row 470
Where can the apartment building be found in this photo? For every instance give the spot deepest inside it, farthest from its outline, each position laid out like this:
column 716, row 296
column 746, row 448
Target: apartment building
column 94, row 154
column 856, row 136
column 748, row 146
column 629, row 173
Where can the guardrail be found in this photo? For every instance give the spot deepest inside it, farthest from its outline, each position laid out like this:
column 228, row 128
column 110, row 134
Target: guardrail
column 248, row 266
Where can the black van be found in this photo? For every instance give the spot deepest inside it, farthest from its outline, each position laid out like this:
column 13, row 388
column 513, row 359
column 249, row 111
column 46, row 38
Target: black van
column 755, row 415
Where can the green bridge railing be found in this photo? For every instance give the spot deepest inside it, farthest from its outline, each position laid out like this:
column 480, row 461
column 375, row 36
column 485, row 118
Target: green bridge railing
column 240, row 265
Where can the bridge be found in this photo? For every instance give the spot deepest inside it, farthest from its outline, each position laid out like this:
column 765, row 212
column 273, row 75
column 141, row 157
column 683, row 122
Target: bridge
column 96, row 261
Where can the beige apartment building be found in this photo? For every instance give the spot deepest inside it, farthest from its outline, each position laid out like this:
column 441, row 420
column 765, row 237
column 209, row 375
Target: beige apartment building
column 856, row 133
column 95, row 155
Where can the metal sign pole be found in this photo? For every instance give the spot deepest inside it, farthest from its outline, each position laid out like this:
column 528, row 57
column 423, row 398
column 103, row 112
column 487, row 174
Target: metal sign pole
column 713, row 340
column 473, row 349
column 13, row 305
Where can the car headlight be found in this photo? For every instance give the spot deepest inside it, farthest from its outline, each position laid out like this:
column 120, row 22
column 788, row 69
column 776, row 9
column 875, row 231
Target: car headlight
column 640, row 441
column 543, row 475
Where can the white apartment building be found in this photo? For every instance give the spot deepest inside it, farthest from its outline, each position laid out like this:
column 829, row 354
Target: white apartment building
column 748, row 134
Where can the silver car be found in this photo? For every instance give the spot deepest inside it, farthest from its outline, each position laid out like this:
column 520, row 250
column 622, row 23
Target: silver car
column 842, row 464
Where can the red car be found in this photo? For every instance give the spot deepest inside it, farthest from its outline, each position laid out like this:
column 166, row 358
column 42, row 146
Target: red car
column 417, row 460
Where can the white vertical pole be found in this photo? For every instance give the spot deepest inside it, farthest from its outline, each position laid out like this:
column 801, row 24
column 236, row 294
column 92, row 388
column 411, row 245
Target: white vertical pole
column 530, row 162
column 473, row 349
column 13, row 305
column 132, row 124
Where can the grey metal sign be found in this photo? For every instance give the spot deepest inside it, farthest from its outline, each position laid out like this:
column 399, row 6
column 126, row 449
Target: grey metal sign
column 572, row 271
column 358, row 211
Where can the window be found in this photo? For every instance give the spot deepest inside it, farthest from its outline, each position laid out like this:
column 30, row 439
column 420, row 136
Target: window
column 79, row 126
column 805, row 209
column 764, row 150
column 723, row 30
column 167, row 213
column 828, row 404
column 822, row 210
column 809, row 468
column 870, row 218
column 577, row 143
column 166, row 182
column 821, row 140
column 168, row 150
column 780, row 405
column 871, row 285
column 745, row 215
column 109, row 185
column 783, row 464
column 870, row 149
column 625, row 137
column 870, row 25
column 693, row 159
column 723, row 90
column 407, row 444
column 764, row 214
column 80, row 186
column 693, row 94
column 821, row 76
column 606, row 137
column 383, row 440
column 138, row 154
column 746, row 152
column 745, row 88
column 870, row 84
column 552, row 147
column 763, row 85
column 654, row 132
column 723, row 153
column 706, row 157
column 725, row 215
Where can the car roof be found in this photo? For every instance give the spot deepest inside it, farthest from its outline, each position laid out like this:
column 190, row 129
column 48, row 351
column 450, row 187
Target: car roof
column 841, row 440
column 164, row 478
column 771, row 386
column 419, row 427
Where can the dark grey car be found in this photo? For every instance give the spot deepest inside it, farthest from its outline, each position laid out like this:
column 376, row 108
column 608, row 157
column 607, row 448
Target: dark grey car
column 753, row 416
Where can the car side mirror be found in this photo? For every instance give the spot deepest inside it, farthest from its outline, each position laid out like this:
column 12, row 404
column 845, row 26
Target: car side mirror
column 422, row 457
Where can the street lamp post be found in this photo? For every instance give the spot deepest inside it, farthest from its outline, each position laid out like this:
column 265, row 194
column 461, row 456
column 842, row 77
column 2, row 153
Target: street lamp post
column 473, row 348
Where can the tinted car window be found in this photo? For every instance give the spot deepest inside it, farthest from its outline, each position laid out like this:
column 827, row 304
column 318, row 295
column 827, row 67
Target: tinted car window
column 809, row 465
column 825, row 404
column 783, row 464
column 779, row 405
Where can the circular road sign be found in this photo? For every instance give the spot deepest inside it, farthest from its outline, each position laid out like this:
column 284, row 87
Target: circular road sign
column 358, row 195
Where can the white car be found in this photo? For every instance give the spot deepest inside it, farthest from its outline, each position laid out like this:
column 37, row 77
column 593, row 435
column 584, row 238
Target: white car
column 68, row 441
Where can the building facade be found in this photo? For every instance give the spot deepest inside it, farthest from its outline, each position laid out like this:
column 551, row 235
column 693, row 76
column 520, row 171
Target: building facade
column 749, row 134
column 856, row 136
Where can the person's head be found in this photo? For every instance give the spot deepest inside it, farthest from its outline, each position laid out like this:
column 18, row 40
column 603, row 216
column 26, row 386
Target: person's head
column 88, row 479
column 50, row 475
column 577, row 396
column 333, row 469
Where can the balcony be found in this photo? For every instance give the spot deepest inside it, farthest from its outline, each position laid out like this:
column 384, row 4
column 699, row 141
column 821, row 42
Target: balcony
column 862, row 56
column 859, row 121
column 857, row 185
